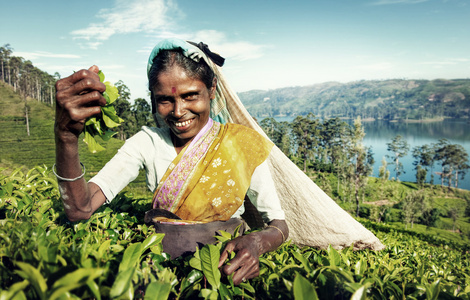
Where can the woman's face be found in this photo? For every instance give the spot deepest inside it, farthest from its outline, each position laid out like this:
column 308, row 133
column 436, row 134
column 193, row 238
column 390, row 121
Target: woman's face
column 183, row 103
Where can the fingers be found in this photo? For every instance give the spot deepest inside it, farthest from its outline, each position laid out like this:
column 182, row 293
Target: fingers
column 228, row 249
column 94, row 69
column 245, row 265
column 79, row 113
column 80, row 106
column 90, row 78
column 82, row 89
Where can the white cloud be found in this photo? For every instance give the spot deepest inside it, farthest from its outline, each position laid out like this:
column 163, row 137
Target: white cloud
column 35, row 55
column 218, row 43
column 127, row 17
column 381, row 66
column 446, row 62
column 237, row 50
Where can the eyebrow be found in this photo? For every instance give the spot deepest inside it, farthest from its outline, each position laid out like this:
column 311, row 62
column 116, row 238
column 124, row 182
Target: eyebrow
column 190, row 93
column 163, row 98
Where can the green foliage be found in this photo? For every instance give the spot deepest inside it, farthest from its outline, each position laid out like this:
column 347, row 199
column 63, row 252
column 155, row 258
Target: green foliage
column 114, row 256
column 101, row 125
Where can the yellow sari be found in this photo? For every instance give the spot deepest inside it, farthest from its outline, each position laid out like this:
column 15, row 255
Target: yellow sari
column 208, row 180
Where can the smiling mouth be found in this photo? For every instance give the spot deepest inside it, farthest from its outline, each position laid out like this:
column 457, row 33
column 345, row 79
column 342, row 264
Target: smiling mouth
column 183, row 124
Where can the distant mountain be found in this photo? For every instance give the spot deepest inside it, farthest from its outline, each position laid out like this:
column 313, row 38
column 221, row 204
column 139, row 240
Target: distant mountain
column 386, row 99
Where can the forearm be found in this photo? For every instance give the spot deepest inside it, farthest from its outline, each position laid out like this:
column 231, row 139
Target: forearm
column 75, row 194
column 270, row 238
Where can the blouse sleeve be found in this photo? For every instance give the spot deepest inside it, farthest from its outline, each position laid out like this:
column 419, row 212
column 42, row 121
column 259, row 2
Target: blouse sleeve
column 263, row 195
column 123, row 168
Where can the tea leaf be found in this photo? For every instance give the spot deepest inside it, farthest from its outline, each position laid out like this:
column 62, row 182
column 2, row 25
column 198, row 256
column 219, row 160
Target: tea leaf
column 33, row 275
column 361, row 293
column 334, row 256
column 73, row 280
column 15, row 291
column 152, row 240
column 195, row 261
column 303, row 289
column 122, row 283
column 210, row 256
column 131, row 257
column 157, row 290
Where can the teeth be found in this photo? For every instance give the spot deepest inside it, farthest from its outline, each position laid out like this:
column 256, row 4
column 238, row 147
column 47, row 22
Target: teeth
column 181, row 124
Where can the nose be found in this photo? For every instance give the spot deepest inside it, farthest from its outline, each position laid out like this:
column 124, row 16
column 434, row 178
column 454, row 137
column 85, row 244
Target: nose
column 179, row 108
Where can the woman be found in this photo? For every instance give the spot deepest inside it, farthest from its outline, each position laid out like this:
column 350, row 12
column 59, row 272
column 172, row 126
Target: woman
column 203, row 168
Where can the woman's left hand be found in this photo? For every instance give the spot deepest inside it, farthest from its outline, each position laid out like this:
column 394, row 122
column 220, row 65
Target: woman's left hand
column 248, row 248
column 245, row 264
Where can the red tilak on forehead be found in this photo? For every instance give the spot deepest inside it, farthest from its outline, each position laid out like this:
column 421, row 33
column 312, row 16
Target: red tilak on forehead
column 173, row 90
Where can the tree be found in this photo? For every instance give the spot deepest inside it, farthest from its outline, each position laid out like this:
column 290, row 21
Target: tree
column 279, row 133
column 399, row 147
column 454, row 214
column 271, row 127
column 384, row 174
column 430, row 217
column 142, row 113
column 424, row 157
column 420, row 175
column 5, row 53
column 379, row 213
column 413, row 206
column 362, row 160
column 25, row 78
column 453, row 158
column 286, row 142
column 332, row 136
column 305, row 131
column 123, row 110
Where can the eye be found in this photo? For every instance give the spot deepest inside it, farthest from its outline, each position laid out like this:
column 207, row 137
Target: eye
column 190, row 96
column 163, row 99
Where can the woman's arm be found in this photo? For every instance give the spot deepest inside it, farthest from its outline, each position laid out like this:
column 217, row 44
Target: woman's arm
column 78, row 97
column 249, row 248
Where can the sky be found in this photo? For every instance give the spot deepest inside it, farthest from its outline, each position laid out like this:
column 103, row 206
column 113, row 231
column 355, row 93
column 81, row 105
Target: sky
column 267, row 44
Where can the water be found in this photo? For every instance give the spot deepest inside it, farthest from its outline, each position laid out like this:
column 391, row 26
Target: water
column 379, row 133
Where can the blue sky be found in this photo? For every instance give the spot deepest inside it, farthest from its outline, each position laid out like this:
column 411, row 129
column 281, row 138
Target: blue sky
column 267, row 44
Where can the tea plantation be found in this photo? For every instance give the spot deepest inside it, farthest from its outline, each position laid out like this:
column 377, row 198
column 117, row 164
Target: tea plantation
column 113, row 255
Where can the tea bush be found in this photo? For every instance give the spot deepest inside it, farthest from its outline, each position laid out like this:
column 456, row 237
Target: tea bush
column 115, row 256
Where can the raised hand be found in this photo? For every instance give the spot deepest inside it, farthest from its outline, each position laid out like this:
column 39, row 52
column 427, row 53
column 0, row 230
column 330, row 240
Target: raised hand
column 78, row 97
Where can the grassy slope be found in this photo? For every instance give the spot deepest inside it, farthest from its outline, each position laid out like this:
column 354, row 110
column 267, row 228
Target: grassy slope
column 17, row 149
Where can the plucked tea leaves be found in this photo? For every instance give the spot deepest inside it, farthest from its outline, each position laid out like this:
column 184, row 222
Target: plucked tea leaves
column 101, row 125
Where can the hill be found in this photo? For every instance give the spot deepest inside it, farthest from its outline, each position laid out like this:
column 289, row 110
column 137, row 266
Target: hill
column 388, row 99
column 18, row 149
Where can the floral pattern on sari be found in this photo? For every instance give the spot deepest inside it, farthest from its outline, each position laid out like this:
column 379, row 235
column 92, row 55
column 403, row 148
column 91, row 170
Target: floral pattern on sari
column 172, row 184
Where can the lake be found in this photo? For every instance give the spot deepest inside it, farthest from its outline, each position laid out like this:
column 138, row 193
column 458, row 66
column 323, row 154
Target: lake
column 379, row 133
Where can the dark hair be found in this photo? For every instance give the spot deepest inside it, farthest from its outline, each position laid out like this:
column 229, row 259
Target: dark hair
column 166, row 59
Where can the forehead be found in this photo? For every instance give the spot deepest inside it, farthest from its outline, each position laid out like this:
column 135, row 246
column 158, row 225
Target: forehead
column 175, row 80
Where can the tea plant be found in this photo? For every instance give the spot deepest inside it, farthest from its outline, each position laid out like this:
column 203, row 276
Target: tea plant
column 114, row 255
